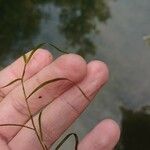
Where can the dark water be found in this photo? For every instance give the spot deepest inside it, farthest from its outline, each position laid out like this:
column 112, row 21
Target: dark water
column 108, row 30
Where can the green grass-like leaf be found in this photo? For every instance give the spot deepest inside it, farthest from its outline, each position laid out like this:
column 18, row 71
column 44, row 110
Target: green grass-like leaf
column 39, row 46
column 50, row 44
column 44, row 84
column 55, row 80
column 40, row 125
column 33, row 51
column 25, row 58
column 16, row 125
column 19, row 79
column 64, row 140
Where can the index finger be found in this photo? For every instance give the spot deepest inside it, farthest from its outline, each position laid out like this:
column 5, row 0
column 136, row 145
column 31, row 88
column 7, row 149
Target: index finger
column 40, row 59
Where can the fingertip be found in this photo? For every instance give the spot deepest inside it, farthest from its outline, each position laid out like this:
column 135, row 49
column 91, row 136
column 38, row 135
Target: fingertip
column 103, row 137
column 100, row 69
column 112, row 131
column 73, row 65
column 43, row 55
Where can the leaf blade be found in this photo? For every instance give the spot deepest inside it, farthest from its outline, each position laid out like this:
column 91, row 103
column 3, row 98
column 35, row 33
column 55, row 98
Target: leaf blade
column 10, row 83
column 25, row 58
column 55, row 80
column 44, row 84
column 40, row 45
column 40, row 125
column 33, row 51
column 68, row 136
column 58, row 49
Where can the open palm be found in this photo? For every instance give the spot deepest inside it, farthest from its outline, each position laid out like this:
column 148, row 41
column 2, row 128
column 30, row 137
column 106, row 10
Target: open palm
column 64, row 102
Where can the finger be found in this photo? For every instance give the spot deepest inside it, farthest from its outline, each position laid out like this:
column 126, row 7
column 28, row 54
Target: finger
column 60, row 114
column 40, row 59
column 103, row 137
column 13, row 108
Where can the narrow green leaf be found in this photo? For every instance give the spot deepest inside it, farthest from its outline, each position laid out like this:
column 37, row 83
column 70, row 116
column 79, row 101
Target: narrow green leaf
column 57, row 48
column 16, row 125
column 68, row 136
column 37, row 47
column 40, row 125
column 44, row 84
column 54, row 80
column 78, row 87
column 33, row 51
column 25, row 58
column 23, row 72
column 19, row 79
column 83, row 93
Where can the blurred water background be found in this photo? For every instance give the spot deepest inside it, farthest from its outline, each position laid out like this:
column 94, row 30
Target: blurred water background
column 107, row 30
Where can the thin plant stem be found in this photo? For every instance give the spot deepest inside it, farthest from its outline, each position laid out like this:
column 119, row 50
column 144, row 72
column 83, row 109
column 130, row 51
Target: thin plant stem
column 40, row 125
column 16, row 125
column 28, row 107
column 68, row 136
column 18, row 79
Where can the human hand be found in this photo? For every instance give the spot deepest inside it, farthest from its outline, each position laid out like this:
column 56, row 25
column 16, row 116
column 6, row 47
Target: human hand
column 66, row 102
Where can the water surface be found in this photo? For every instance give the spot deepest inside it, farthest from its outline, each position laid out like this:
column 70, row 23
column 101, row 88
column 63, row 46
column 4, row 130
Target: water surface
column 106, row 30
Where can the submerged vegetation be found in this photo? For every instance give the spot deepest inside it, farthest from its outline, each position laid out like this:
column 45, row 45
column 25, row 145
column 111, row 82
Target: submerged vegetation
column 38, row 128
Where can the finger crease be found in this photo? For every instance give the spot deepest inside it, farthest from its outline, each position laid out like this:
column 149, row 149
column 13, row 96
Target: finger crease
column 20, row 107
column 72, row 107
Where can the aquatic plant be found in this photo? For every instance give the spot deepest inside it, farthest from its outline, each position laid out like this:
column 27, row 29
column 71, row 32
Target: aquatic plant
column 38, row 128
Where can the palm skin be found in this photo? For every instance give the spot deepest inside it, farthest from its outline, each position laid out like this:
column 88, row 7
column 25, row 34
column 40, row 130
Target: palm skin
column 64, row 99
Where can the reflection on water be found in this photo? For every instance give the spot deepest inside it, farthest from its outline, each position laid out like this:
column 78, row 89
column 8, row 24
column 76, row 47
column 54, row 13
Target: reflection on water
column 135, row 130
column 78, row 21
column 108, row 30
column 20, row 22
